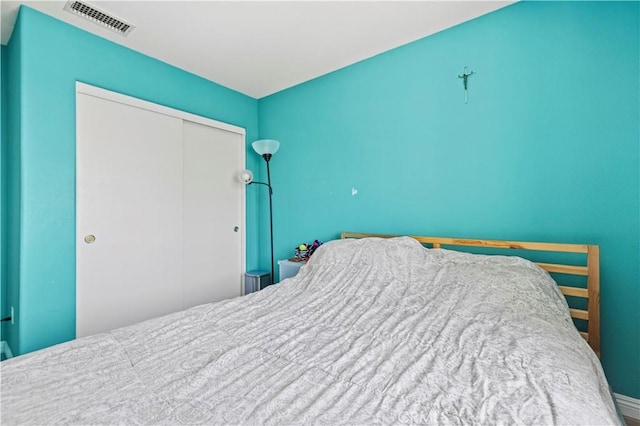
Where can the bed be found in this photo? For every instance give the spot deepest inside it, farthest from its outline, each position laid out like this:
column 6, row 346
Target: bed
column 373, row 330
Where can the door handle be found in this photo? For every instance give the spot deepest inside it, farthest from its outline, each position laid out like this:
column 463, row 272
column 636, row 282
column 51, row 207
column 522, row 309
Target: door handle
column 89, row 239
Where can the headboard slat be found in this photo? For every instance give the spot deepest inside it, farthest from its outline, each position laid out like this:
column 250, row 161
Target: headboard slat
column 574, row 291
column 564, row 269
column 579, row 314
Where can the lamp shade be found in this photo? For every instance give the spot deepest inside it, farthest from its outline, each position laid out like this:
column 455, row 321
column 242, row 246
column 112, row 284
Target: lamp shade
column 266, row 146
column 246, row 177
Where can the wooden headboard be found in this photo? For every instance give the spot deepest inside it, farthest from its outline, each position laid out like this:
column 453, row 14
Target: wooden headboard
column 591, row 270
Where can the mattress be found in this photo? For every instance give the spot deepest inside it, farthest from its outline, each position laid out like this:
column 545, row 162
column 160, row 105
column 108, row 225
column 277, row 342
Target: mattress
column 370, row 331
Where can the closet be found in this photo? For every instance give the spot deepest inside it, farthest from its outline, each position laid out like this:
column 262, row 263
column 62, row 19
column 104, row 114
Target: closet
column 159, row 210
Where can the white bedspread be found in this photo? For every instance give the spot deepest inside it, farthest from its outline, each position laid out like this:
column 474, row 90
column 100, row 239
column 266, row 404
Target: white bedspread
column 369, row 332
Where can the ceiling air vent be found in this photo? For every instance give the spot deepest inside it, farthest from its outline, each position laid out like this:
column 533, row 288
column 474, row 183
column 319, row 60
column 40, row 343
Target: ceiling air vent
column 98, row 16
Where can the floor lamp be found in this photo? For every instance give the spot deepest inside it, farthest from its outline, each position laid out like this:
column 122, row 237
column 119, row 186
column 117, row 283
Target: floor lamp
column 266, row 148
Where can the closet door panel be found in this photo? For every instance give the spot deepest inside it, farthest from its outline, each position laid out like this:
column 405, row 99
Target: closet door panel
column 212, row 211
column 129, row 197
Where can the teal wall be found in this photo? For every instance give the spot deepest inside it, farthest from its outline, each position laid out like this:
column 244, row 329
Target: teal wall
column 12, row 181
column 547, row 149
column 52, row 56
column 3, row 186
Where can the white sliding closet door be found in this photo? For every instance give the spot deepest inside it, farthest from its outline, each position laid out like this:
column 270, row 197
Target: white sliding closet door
column 212, row 208
column 159, row 211
column 129, row 192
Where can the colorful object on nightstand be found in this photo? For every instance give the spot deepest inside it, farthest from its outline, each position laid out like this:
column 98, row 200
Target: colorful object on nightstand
column 304, row 251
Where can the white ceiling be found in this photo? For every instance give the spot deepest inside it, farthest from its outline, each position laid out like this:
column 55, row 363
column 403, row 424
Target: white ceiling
column 261, row 47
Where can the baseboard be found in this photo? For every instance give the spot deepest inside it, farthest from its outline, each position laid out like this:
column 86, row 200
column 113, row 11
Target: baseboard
column 6, row 350
column 629, row 407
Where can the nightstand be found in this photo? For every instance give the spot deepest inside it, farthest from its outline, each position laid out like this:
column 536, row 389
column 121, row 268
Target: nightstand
column 289, row 268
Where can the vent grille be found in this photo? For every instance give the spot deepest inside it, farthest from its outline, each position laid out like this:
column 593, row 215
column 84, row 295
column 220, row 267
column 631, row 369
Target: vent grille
column 98, row 16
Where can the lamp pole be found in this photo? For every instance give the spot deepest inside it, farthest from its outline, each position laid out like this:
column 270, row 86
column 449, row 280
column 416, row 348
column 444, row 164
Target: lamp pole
column 267, row 157
column 265, row 148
